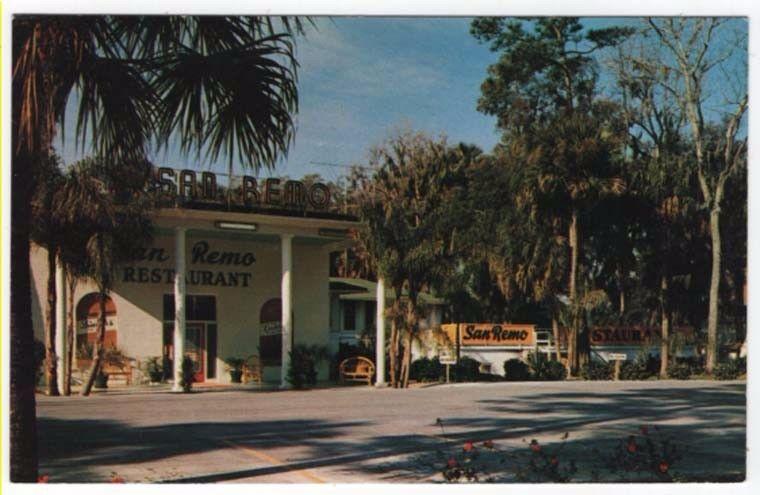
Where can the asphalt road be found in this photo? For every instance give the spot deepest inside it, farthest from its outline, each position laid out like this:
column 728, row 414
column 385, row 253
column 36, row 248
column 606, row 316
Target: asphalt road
column 363, row 434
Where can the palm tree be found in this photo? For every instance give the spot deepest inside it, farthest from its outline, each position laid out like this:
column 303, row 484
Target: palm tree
column 410, row 212
column 108, row 206
column 222, row 86
column 48, row 232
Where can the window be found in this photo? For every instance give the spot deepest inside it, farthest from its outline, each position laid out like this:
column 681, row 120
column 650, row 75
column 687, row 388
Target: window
column 197, row 308
column 349, row 315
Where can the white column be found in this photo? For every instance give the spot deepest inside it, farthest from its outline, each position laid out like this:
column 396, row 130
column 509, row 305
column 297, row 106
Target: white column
column 179, row 305
column 286, row 295
column 60, row 323
column 380, row 335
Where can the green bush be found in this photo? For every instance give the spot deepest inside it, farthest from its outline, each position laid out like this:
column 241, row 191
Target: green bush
column 426, row 370
column 515, row 370
column 555, row 371
column 467, row 370
column 234, row 366
column 304, row 360
column 729, row 370
column 597, row 370
column 154, row 369
column 544, row 369
column 188, row 374
column 679, row 370
column 643, row 367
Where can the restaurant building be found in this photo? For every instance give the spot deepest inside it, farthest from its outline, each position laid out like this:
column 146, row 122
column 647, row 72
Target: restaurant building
column 231, row 272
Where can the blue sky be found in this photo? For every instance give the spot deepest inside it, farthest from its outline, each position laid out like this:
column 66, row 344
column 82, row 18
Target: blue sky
column 361, row 79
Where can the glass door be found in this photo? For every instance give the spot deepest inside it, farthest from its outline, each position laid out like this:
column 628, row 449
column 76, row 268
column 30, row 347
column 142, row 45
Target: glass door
column 194, row 347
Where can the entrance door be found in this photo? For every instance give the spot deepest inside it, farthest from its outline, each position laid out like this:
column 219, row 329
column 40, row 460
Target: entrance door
column 194, row 347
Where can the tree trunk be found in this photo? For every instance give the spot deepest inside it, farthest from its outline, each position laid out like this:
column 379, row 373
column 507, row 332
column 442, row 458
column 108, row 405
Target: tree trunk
column 393, row 352
column 572, row 348
column 555, row 336
column 712, row 317
column 407, row 360
column 23, row 424
column 70, row 344
column 584, row 343
column 665, row 328
column 99, row 345
column 51, row 359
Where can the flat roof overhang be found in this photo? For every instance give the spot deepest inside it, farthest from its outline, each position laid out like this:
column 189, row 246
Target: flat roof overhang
column 269, row 227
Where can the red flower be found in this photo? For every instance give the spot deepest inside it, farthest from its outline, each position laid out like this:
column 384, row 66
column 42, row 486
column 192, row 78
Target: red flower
column 534, row 446
column 644, row 429
column 468, row 446
column 43, row 478
column 117, row 479
column 452, row 463
column 554, row 461
column 664, row 466
column 632, row 444
column 488, row 444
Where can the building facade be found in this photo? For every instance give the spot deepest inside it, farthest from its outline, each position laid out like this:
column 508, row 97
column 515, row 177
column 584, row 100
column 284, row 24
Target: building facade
column 254, row 283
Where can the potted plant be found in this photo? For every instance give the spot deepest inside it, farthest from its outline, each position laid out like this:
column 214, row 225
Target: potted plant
column 101, row 380
column 235, row 368
column 155, row 370
column 187, row 376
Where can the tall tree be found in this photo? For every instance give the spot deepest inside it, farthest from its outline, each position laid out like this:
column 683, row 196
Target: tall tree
column 108, row 205
column 220, row 85
column 409, row 208
column 696, row 50
column 542, row 91
column 47, row 231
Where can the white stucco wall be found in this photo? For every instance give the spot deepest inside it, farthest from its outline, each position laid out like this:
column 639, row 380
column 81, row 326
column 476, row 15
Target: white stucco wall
column 139, row 305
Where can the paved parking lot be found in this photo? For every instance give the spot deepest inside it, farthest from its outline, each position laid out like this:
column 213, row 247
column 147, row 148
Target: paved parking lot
column 362, row 434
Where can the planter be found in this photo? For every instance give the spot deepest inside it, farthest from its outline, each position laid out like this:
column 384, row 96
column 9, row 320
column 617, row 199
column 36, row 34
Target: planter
column 236, row 375
column 156, row 376
column 101, row 380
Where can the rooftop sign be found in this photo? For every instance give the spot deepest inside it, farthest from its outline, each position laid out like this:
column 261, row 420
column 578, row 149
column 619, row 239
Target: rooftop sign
column 241, row 191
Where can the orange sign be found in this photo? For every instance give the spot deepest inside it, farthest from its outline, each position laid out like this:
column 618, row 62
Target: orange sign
column 492, row 334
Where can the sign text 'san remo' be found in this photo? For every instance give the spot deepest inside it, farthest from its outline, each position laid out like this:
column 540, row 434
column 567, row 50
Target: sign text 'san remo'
column 202, row 186
column 492, row 334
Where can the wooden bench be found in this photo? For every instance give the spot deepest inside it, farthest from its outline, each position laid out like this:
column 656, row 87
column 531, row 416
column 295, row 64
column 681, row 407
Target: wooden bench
column 356, row 369
column 252, row 369
column 118, row 369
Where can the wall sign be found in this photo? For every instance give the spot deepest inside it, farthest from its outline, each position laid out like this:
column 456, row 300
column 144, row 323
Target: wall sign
column 201, row 253
column 491, row 334
column 202, row 186
column 270, row 336
column 632, row 335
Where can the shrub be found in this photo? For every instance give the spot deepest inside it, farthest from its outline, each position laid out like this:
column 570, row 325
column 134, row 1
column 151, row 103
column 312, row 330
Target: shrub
column 466, row 370
column 304, row 360
column 188, row 374
column 426, row 370
column 544, row 369
column 234, row 366
column 643, row 367
column 650, row 455
column 679, row 370
column 515, row 370
column 101, row 380
column 154, row 369
column 728, row 370
column 555, row 371
column 597, row 370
